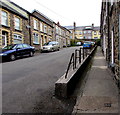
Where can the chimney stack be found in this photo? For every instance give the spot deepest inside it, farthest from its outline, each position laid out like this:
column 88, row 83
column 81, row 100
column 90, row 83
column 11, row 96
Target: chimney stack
column 74, row 24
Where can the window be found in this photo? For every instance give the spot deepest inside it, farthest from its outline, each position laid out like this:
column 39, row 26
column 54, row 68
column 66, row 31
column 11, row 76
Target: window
column 50, row 31
column 26, row 46
column 95, row 37
column 45, row 28
column 84, row 32
column 20, row 46
column 76, row 32
column 41, row 26
column 111, row 1
column 4, row 19
column 17, row 23
column 35, row 24
column 70, row 37
column 95, row 32
column 89, row 32
column 57, row 29
column 89, row 37
column 81, row 33
column 4, row 38
column 35, row 38
column 17, row 39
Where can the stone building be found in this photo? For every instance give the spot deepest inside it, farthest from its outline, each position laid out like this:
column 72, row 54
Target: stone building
column 84, row 33
column 110, row 39
column 14, row 21
column 21, row 26
column 61, row 35
column 41, row 29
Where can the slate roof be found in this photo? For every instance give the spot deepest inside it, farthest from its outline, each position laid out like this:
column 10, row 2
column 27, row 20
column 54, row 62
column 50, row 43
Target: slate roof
column 69, row 27
column 83, row 28
column 42, row 17
column 96, row 28
column 80, row 28
column 14, row 8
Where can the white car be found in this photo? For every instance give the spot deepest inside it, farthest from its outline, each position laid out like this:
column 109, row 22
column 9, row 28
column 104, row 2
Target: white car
column 51, row 46
column 78, row 43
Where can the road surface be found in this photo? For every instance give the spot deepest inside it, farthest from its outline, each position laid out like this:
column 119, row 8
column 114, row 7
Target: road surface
column 28, row 83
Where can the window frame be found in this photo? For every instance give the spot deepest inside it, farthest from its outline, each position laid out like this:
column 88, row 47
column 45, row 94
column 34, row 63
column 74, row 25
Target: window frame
column 17, row 38
column 17, row 23
column 45, row 28
column 36, row 38
column 5, row 23
column 35, row 24
column 41, row 26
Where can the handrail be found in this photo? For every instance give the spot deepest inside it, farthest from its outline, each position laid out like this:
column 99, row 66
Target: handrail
column 74, row 56
column 70, row 62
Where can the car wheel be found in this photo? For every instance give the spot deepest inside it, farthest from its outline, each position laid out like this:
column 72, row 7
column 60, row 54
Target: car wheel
column 31, row 54
column 52, row 49
column 12, row 57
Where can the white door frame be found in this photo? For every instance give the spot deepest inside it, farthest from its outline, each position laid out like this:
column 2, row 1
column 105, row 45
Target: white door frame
column 112, row 45
column 5, row 37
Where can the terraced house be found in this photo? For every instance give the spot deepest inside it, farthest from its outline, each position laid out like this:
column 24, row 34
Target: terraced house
column 41, row 29
column 110, row 35
column 61, row 35
column 21, row 26
column 13, row 24
column 84, row 33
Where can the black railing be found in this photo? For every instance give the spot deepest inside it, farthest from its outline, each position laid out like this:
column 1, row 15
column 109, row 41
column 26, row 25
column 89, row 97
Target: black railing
column 78, row 54
column 70, row 62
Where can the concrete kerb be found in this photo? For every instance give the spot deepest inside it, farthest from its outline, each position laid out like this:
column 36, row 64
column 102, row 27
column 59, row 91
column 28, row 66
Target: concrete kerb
column 65, row 87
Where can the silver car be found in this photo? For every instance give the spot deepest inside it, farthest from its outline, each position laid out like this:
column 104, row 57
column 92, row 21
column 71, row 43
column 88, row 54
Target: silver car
column 50, row 46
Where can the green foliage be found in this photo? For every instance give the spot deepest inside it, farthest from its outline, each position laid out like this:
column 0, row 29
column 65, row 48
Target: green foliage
column 74, row 41
column 98, row 42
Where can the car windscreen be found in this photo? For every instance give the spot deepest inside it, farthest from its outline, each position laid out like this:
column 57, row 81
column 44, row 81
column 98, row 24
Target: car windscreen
column 49, row 43
column 8, row 47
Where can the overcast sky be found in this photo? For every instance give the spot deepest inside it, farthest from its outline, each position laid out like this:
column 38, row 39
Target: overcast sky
column 83, row 12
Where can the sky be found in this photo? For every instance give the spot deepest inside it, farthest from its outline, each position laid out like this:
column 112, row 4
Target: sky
column 83, row 12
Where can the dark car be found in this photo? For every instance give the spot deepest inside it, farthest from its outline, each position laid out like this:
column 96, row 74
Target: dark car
column 11, row 52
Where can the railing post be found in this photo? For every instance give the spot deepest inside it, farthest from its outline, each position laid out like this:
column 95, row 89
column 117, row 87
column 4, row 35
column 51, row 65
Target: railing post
column 80, row 55
column 83, row 54
column 75, row 57
column 73, row 61
column 86, row 52
column 72, row 58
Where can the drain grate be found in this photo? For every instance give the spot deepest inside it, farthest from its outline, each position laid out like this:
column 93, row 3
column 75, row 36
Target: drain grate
column 107, row 104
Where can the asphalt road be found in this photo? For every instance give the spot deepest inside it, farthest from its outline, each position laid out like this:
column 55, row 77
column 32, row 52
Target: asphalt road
column 28, row 83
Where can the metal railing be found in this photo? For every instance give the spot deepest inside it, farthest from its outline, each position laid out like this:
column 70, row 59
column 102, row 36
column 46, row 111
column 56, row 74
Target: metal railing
column 70, row 62
column 78, row 54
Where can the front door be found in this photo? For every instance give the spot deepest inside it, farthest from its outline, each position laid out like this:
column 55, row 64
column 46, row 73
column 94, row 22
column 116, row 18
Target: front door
column 4, row 38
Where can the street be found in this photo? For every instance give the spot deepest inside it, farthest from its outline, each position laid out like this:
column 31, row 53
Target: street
column 28, row 83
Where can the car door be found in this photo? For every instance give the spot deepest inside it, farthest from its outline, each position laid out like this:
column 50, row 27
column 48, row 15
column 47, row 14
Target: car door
column 27, row 49
column 19, row 50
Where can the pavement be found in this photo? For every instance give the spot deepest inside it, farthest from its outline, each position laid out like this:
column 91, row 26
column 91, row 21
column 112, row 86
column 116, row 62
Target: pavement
column 100, row 94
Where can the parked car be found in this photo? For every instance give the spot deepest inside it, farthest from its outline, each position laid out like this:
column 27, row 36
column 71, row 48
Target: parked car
column 92, row 43
column 78, row 44
column 11, row 52
column 87, row 44
column 50, row 46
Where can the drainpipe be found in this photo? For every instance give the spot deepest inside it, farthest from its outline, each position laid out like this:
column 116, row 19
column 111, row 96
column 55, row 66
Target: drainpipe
column 30, row 30
column 108, row 48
